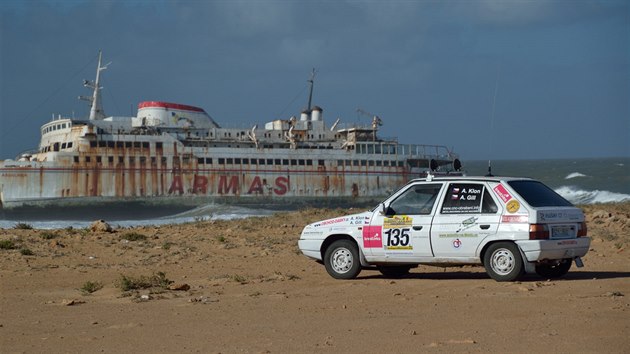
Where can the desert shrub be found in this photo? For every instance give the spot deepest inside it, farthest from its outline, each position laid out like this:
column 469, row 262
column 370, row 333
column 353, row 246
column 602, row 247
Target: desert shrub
column 7, row 245
column 238, row 278
column 47, row 235
column 23, row 226
column 26, row 252
column 90, row 287
column 156, row 280
column 133, row 236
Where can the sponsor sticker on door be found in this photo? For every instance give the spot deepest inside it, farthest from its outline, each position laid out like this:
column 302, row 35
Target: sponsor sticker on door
column 502, row 193
column 372, row 237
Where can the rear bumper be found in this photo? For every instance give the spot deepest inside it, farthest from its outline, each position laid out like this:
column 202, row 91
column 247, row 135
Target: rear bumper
column 539, row 250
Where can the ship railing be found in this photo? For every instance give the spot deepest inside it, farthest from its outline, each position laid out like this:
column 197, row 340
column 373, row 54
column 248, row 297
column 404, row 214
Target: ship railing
column 406, row 150
column 348, row 126
column 424, row 151
column 30, row 152
column 388, row 139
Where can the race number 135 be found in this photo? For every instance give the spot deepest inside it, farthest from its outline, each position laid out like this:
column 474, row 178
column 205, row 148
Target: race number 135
column 397, row 237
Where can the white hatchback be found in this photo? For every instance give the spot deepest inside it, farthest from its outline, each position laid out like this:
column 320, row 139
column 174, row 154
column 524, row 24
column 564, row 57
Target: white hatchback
column 509, row 225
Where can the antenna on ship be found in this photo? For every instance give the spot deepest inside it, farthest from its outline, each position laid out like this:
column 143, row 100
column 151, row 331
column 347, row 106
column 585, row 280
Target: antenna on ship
column 310, row 94
column 96, row 106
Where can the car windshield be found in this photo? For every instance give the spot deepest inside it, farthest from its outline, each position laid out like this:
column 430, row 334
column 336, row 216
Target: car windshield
column 537, row 194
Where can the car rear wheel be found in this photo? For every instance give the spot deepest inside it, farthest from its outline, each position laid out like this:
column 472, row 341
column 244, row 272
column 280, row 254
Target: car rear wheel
column 394, row 271
column 550, row 270
column 503, row 261
column 342, row 260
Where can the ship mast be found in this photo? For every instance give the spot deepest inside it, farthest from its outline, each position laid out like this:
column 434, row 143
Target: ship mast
column 310, row 94
column 96, row 107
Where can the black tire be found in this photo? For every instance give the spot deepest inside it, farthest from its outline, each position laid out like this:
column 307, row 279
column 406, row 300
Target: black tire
column 550, row 271
column 503, row 261
column 397, row 271
column 342, row 260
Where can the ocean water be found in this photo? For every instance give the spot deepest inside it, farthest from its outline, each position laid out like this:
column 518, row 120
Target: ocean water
column 581, row 181
column 78, row 219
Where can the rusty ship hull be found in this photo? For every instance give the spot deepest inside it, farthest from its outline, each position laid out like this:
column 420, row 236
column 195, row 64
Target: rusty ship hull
column 201, row 175
column 177, row 154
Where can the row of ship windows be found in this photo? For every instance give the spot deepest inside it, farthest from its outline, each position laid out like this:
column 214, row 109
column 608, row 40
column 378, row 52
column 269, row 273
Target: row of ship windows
column 377, row 163
column 386, row 149
column 376, row 148
column 55, row 127
column 266, row 135
column 245, row 161
column 55, row 147
column 123, row 144
column 361, row 148
column 298, row 162
column 145, row 145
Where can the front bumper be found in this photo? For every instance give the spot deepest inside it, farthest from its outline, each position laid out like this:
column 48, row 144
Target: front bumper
column 311, row 248
column 539, row 250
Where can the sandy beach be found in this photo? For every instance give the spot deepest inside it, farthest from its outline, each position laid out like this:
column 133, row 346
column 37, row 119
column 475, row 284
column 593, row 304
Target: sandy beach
column 243, row 286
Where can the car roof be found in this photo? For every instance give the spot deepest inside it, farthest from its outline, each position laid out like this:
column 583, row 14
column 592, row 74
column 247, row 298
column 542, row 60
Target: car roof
column 471, row 178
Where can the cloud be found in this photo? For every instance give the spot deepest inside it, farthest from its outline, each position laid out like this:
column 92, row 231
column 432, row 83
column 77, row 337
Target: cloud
column 512, row 13
column 509, row 14
column 243, row 18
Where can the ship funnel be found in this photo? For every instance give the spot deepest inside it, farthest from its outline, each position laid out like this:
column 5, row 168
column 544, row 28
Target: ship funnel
column 304, row 116
column 316, row 114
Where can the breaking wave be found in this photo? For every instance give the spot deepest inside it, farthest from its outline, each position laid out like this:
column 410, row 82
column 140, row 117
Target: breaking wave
column 201, row 213
column 218, row 212
column 575, row 175
column 580, row 196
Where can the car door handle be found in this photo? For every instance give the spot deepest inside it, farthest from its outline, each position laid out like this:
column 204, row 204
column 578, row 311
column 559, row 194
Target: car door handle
column 484, row 227
column 417, row 228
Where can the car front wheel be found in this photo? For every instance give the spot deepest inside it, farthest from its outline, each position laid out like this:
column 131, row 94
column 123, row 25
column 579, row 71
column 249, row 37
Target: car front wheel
column 342, row 260
column 503, row 261
column 550, row 271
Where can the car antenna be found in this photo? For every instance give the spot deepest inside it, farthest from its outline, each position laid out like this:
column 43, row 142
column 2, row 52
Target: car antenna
column 494, row 105
column 489, row 170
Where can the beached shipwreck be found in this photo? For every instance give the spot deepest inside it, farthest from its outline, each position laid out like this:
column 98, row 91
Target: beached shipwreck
column 174, row 153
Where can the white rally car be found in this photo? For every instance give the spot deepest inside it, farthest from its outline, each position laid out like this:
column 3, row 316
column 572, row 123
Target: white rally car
column 510, row 225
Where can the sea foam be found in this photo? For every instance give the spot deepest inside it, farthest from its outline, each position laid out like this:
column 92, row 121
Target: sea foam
column 201, row 213
column 575, row 175
column 580, row 196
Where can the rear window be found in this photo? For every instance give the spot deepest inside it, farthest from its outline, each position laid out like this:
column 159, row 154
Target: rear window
column 537, row 194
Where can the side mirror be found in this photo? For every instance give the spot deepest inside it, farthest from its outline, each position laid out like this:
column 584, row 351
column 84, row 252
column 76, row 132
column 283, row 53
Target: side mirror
column 385, row 210
column 382, row 209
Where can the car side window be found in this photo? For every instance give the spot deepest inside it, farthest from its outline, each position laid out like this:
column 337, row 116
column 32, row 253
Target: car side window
column 468, row 198
column 417, row 200
column 488, row 206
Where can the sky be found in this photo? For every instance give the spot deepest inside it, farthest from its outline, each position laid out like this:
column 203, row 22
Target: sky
column 489, row 79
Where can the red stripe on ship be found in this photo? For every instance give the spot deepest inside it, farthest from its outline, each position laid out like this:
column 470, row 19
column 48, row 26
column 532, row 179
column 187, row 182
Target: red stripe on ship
column 156, row 104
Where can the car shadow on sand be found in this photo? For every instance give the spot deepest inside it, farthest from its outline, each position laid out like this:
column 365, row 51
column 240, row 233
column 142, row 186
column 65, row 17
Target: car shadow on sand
column 593, row 275
column 463, row 275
